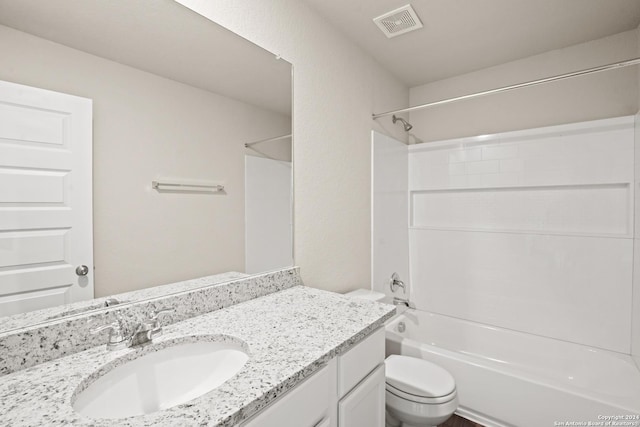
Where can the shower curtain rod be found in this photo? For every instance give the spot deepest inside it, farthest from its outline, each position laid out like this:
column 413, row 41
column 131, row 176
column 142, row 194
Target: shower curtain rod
column 601, row 68
column 249, row 144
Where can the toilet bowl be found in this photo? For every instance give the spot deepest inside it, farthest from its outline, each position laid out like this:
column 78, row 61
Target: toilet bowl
column 418, row 393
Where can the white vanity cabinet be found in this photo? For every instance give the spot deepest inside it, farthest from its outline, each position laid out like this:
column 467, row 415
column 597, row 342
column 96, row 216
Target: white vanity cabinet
column 361, row 381
column 309, row 404
column 348, row 392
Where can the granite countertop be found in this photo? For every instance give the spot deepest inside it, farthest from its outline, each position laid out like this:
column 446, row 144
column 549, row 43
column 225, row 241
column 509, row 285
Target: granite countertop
column 289, row 335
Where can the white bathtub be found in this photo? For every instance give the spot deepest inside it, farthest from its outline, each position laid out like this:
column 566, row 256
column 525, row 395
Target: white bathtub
column 507, row 378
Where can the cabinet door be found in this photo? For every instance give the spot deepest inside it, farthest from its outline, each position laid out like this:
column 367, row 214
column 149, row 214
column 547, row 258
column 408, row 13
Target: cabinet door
column 364, row 405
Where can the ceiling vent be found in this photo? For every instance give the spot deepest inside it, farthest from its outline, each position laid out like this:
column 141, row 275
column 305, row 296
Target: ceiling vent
column 398, row 21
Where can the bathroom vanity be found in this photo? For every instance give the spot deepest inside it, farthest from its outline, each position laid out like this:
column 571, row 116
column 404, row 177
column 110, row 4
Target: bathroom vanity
column 315, row 358
column 350, row 387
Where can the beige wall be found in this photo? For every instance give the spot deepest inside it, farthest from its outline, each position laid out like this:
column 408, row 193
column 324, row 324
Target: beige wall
column 147, row 127
column 336, row 89
column 609, row 94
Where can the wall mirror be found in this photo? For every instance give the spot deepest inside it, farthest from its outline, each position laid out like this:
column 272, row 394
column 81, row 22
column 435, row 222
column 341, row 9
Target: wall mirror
column 130, row 154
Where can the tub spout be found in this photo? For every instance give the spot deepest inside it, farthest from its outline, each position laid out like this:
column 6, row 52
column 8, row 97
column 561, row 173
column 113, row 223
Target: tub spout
column 402, row 301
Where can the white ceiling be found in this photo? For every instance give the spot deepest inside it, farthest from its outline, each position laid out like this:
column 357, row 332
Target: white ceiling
column 187, row 47
column 460, row 36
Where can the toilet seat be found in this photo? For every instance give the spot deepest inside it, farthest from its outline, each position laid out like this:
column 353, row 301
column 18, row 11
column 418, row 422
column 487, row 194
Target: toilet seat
column 418, row 380
column 420, row 399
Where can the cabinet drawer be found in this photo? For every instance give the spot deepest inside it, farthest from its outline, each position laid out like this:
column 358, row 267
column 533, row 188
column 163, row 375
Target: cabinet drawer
column 307, row 405
column 358, row 362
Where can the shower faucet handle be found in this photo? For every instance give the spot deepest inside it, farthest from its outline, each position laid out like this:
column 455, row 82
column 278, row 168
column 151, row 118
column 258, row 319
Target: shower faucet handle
column 395, row 283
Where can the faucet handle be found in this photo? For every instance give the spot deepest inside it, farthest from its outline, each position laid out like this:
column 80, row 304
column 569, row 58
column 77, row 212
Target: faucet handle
column 395, row 283
column 156, row 315
column 116, row 335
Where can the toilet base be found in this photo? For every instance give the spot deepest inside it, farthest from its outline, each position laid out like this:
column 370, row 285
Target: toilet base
column 409, row 425
column 392, row 422
column 403, row 413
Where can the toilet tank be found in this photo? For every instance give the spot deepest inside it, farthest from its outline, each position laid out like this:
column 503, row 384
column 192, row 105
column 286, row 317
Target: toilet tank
column 368, row 294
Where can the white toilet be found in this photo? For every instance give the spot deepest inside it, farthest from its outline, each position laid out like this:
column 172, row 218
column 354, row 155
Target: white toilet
column 418, row 393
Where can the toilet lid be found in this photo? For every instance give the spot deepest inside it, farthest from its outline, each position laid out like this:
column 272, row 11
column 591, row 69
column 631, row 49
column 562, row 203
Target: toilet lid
column 418, row 377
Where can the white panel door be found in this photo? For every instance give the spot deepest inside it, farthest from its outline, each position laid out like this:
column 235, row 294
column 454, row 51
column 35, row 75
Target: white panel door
column 45, row 198
column 364, row 405
column 268, row 224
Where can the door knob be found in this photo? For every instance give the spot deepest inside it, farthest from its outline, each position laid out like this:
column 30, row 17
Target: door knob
column 82, row 270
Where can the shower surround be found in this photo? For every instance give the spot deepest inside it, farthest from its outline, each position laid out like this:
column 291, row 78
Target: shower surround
column 529, row 231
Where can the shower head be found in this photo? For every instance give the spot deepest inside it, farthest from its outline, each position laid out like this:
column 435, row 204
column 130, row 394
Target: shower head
column 407, row 126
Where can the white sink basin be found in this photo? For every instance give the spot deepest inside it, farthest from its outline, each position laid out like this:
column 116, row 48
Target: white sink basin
column 161, row 379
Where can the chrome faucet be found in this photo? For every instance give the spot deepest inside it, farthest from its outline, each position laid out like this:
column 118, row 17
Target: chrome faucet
column 117, row 338
column 110, row 302
column 395, row 283
column 403, row 301
column 144, row 333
